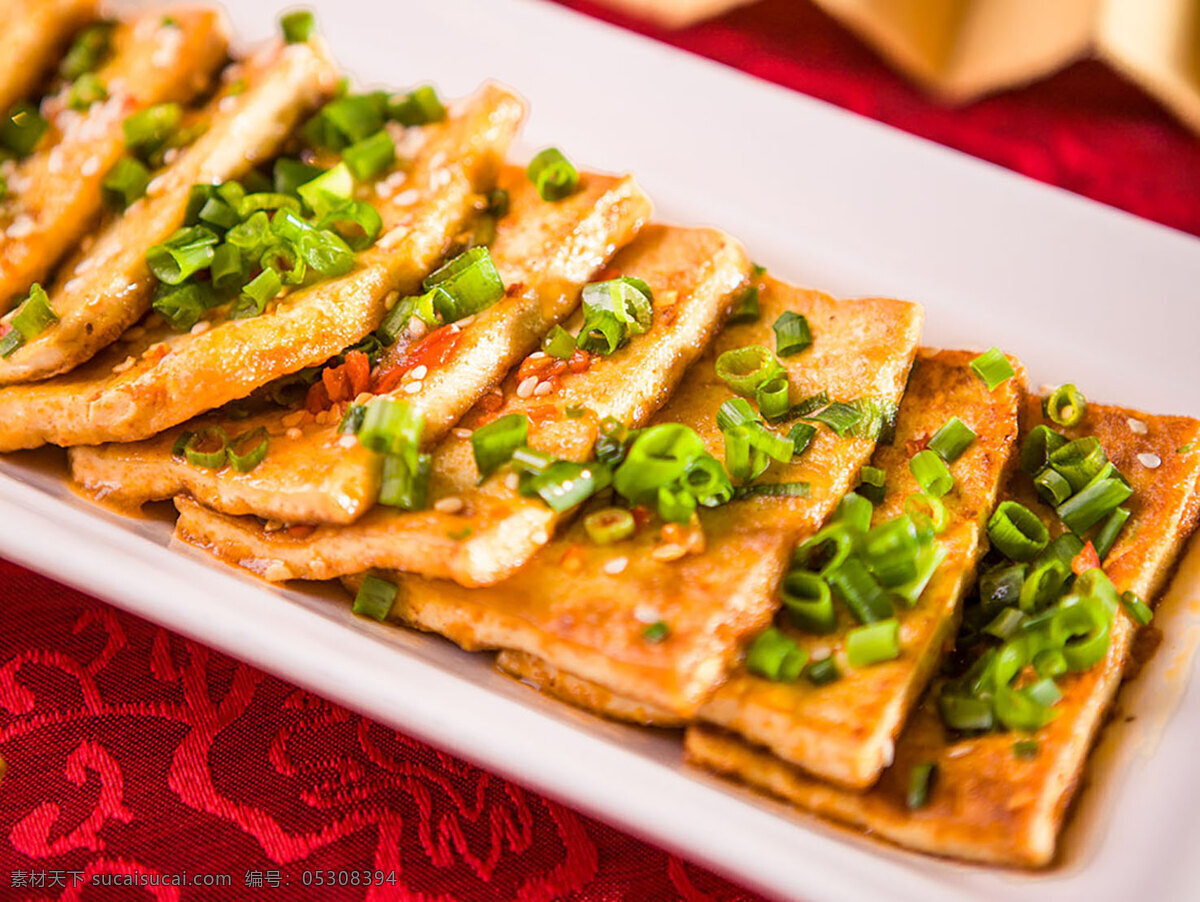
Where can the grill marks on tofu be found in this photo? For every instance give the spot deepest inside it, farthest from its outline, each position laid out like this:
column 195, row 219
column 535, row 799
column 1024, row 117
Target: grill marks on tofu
column 544, row 253
column 141, row 386
column 584, row 608
column 34, row 36
column 986, row 804
column 103, row 291
column 845, row 731
column 693, row 274
column 55, row 193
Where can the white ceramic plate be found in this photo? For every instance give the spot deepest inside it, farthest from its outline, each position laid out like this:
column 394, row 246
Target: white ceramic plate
column 825, row 198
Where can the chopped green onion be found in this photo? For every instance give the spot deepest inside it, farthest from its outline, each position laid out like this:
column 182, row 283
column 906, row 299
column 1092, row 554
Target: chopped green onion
column 811, row 404
column 148, row 130
column 918, row 504
column 659, row 456
column 559, row 343
column 612, row 441
column 656, row 632
column 1017, row 532
column 612, row 524
column 993, row 368
column 839, row 416
column 87, row 51
column 855, row 512
column 792, row 334
column 1049, row 662
column 964, row 712
column 227, row 272
column 257, row 293
column 21, row 129
column 33, row 317
column 564, row 484
column 1065, row 406
column 890, row 551
column 931, row 473
column 1082, row 631
column 775, row 656
column 920, row 781
column 327, row 190
column 86, row 90
column 298, row 27
column 707, row 481
column 859, row 591
column 375, row 598
column 823, row 672
column 552, row 174
column 774, row 490
column 1079, row 461
column 494, row 444
column 1001, row 585
column 1044, row 692
column 370, row 157
column 745, row 308
column 828, row 549
column 1043, row 584
column 185, row 253
column 1137, row 609
column 391, row 426
column 1093, row 502
column 1041, row 442
column 1109, row 531
column 352, row 419
column 872, row 484
column 735, row 412
column 772, row 398
column 182, row 306
column 256, row 441
column 1005, row 624
column 873, row 643
column 801, row 436
column 1051, row 486
column 419, row 106
column 808, row 602
column 612, row 311
column 952, row 440
column 470, row 280
column 345, row 120
column 405, row 480
column 207, row 448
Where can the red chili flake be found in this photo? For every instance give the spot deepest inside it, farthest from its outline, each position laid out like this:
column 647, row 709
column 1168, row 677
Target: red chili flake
column 641, row 515
column 433, row 350
column 580, row 361
column 344, row 382
column 1086, row 560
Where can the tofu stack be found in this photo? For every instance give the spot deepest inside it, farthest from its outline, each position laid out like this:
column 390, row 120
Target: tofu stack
column 881, row 581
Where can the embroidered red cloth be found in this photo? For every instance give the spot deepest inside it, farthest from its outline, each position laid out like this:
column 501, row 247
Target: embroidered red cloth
column 136, row 756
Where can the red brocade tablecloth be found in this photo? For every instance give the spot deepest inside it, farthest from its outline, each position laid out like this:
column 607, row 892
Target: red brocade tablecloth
column 132, row 752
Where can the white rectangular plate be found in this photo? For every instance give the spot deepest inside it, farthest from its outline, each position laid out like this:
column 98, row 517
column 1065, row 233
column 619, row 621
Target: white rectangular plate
column 1079, row 291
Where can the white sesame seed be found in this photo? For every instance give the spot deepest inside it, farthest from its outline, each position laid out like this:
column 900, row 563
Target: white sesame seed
column 451, row 504
column 419, row 372
column 541, row 537
column 616, row 565
column 460, row 432
column 417, row 327
column 543, row 389
column 201, row 327
column 1150, row 460
column 294, row 433
column 124, row 365
column 411, row 388
column 465, row 321
column 959, row 750
column 55, row 163
column 363, row 398
column 90, row 166
column 227, row 103
column 1136, row 426
column 537, row 355
column 83, row 266
column 390, row 300
column 527, row 386
column 406, row 198
column 347, row 441
column 645, row 613
column 72, row 284
column 512, row 481
column 21, row 226
column 391, row 239
column 170, row 155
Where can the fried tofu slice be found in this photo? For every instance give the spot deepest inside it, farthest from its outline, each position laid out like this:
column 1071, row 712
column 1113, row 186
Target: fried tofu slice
column 104, row 290
column 155, row 378
column 34, row 35
column 166, row 54
column 845, row 731
column 987, row 804
column 544, row 252
column 584, row 608
column 693, row 274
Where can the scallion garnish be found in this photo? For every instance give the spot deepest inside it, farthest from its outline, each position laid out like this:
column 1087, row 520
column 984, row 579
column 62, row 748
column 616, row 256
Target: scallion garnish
column 1109, row 531
column 124, row 183
column 775, row 656
column 470, row 281
column 1026, row 749
column 257, row 293
column 86, row 90
column 772, row 397
column 1137, row 609
column 872, row 484
column 993, row 368
column 656, row 632
column 801, row 436
column 952, row 440
column 249, row 449
column 873, row 643
column 21, row 129
column 931, row 473
column 1079, row 461
column 208, row 448
column 391, row 426
column 792, row 334
column 920, row 783
column 811, row 404
column 1065, row 406
column 375, row 598
column 419, row 106
column 552, row 174
column 839, row 416
column 559, row 343
column 612, row 312
column 1041, row 442
column 808, row 602
column 745, row 369
column 147, row 131
column 370, row 157
column 494, row 444
column 182, row 255
column 774, row 490
column 612, row 524
column 1051, row 486
column 297, row 26
column 33, row 317
column 1092, row 503
column 823, row 672
column 1017, row 532
column 563, row 484
column 87, row 51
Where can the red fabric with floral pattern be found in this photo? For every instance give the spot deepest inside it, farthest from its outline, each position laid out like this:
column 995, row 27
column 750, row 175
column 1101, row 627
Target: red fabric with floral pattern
column 134, row 753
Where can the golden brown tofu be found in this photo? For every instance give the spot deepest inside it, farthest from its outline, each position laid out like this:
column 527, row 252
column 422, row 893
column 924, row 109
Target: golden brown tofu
column 155, row 378
column 544, row 252
column 845, row 731
column 104, row 290
column 986, row 803
column 585, row 608
column 34, row 35
column 166, row 54
column 692, row 273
